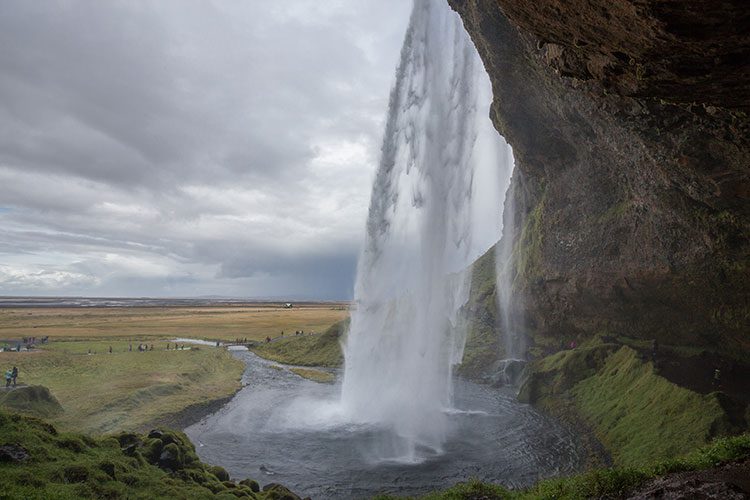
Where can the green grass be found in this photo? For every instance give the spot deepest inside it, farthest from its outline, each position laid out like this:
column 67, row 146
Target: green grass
column 126, row 390
column 307, row 350
column 33, row 400
column 607, row 483
column 314, row 375
column 72, row 466
column 104, row 392
column 641, row 417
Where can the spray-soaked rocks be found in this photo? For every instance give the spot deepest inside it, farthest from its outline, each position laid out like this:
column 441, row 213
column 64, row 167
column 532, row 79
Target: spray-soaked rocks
column 507, row 372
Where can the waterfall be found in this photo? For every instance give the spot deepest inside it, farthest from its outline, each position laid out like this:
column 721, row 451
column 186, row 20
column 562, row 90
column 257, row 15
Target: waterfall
column 436, row 205
column 508, row 370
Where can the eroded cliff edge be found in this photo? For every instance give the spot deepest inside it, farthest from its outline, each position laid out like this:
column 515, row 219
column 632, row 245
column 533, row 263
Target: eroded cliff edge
column 629, row 125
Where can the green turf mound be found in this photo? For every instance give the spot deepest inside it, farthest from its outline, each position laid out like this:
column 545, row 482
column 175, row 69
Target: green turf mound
column 34, row 400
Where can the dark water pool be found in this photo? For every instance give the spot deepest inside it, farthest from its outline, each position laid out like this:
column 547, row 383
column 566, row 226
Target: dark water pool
column 282, row 428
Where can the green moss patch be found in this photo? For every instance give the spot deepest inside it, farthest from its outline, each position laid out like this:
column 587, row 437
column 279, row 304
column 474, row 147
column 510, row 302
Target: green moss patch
column 162, row 464
column 482, row 348
column 638, row 415
column 641, row 416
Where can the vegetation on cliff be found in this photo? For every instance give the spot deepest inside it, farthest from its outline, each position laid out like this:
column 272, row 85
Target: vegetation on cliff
column 483, row 347
column 638, row 415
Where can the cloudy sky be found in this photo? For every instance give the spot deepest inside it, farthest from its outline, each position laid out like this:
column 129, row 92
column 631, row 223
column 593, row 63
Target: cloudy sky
column 189, row 148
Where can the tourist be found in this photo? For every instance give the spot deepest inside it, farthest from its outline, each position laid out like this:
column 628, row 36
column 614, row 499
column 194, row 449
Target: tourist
column 110, row 349
column 717, row 379
column 131, row 348
column 8, row 378
column 15, row 375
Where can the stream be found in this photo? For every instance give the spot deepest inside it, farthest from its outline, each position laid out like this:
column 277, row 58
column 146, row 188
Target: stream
column 282, row 428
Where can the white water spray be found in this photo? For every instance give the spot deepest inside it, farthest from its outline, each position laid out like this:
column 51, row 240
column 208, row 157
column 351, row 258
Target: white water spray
column 436, row 205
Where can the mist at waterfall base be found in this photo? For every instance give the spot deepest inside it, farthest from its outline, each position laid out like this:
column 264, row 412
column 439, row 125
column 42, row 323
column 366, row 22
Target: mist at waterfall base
column 436, row 206
column 397, row 420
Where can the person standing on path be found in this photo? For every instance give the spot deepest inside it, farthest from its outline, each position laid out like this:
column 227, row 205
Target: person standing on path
column 8, row 378
column 14, row 373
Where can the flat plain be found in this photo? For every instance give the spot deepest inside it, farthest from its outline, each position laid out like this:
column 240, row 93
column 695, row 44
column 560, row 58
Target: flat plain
column 254, row 321
column 103, row 392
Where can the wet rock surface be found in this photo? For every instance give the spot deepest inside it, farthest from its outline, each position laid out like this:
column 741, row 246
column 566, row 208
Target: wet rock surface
column 629, row 128
column 13, row 453
column 728, row 482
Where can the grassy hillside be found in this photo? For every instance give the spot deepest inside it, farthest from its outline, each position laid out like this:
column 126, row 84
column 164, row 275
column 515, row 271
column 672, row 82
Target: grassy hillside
column 307, row 350
column 638, row 415
column 38, row 462
column 127, row 390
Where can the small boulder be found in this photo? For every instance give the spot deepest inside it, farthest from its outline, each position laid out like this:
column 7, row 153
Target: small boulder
column 220, row 473
column 155, row 434
column 170, row 457
column 13, row 453
column 108, row 468
column 252, row 484
column 277, row 491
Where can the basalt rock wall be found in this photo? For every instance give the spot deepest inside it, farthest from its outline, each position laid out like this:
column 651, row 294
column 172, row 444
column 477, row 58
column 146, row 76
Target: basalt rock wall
column 629, row 125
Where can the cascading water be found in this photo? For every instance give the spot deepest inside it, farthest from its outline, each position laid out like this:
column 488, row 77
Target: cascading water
column 436, row 205
column 509, row 369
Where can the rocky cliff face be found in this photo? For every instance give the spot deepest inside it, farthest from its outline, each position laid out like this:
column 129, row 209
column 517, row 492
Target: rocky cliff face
column 629, row 127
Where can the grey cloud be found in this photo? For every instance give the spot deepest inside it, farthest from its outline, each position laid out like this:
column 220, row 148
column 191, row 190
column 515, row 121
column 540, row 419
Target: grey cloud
column 190, row 147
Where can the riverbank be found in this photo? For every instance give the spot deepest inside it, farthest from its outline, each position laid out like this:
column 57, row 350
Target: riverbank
column 296, row 432
column 126, row 390
column 323, row 349
column 93, row 367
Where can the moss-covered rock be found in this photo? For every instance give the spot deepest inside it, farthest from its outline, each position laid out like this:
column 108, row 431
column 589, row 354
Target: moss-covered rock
column 161, row 465
column 219, row 472
column 252, row 484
